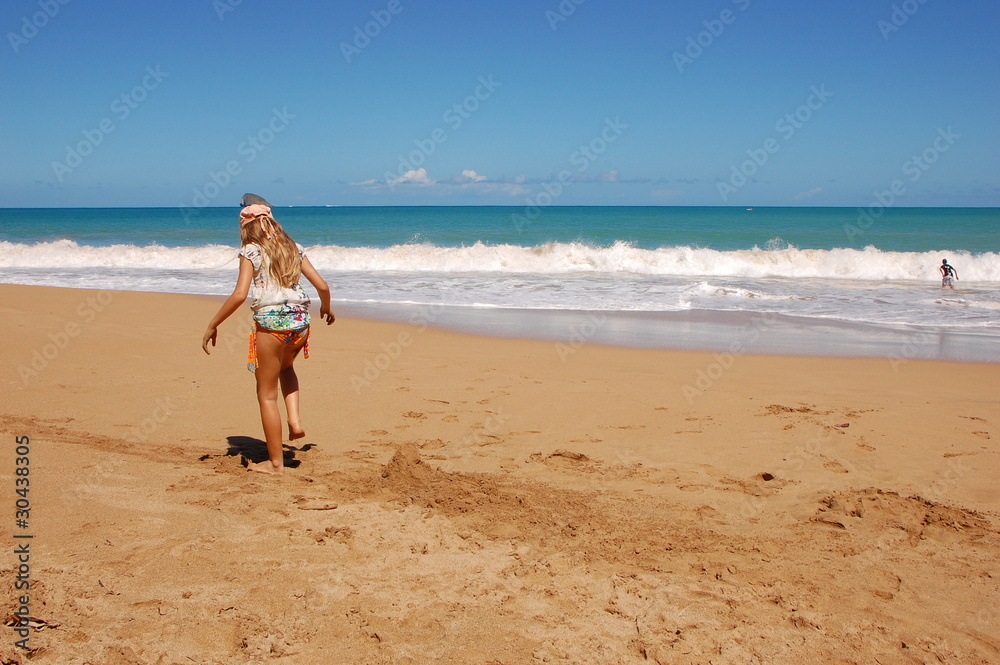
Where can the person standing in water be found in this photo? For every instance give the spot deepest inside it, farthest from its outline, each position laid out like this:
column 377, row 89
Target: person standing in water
column 947, row 273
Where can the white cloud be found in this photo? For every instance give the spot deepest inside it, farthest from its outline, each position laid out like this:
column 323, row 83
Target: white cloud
column 414, row 177
column 470, row 180
column 472, row 176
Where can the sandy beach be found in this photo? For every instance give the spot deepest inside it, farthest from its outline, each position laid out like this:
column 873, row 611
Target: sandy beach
column 466, row 499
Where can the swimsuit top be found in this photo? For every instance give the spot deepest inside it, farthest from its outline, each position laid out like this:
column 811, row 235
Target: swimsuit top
column 948, row 270
column 266, row 294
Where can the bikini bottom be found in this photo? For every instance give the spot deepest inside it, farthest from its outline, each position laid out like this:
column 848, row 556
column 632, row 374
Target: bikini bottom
column 287, row 337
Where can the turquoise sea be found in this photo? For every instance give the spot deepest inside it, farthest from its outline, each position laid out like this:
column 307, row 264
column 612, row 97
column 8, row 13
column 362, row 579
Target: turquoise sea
column 975, row 230
column 836, row 280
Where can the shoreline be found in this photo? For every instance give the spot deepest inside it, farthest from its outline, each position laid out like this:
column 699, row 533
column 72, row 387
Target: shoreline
column 718, row 331
column 461, row 498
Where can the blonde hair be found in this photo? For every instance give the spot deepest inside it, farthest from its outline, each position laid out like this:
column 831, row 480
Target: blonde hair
column 279, row 255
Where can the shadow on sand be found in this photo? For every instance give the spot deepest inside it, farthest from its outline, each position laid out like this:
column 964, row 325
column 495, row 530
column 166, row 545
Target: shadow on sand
column 254, row 450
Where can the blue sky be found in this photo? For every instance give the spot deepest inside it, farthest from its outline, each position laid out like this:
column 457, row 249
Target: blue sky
column 728, row 102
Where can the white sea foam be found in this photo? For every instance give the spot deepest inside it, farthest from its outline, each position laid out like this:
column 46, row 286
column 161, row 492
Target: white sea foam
column 69, row 254
column 869, row 264
column 860, row 286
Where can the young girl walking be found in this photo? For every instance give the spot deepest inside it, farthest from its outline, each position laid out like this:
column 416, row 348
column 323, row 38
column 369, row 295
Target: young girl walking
column 272, row 264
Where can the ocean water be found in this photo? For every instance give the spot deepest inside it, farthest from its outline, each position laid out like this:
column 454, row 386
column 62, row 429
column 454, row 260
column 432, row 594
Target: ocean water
column 828, row 274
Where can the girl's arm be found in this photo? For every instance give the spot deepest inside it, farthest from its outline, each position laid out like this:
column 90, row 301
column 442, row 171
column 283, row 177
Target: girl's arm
column 232, row 303
column 321, row 287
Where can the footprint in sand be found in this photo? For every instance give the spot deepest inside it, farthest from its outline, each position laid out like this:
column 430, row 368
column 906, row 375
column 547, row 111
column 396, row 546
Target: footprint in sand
column 360, row 454
column 982, row 435
column 414, row 414
column 835, row 466
column 774, row 409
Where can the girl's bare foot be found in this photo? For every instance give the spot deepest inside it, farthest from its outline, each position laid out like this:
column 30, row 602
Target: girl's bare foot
column 295, row 432
column 266, row 467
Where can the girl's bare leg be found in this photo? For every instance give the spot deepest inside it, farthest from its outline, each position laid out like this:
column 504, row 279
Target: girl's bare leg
column 269, row 357
column 290, row 390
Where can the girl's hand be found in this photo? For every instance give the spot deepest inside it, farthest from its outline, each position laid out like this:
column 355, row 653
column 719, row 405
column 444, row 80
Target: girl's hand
column 210, row 335
column 326, row 314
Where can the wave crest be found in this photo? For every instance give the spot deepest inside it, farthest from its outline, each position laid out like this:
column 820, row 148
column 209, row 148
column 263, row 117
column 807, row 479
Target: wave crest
column 868, row 264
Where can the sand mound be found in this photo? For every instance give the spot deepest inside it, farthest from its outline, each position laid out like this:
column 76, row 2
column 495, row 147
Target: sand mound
column 878, row 512
column 406, row 466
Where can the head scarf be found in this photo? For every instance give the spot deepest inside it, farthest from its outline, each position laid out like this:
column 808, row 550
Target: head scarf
column 252, row 212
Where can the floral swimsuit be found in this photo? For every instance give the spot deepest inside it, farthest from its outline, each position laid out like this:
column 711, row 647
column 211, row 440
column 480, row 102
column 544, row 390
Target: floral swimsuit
column 277, row 310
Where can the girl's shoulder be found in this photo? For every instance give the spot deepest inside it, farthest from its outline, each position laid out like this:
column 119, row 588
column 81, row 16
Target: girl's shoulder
column 252, row 252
